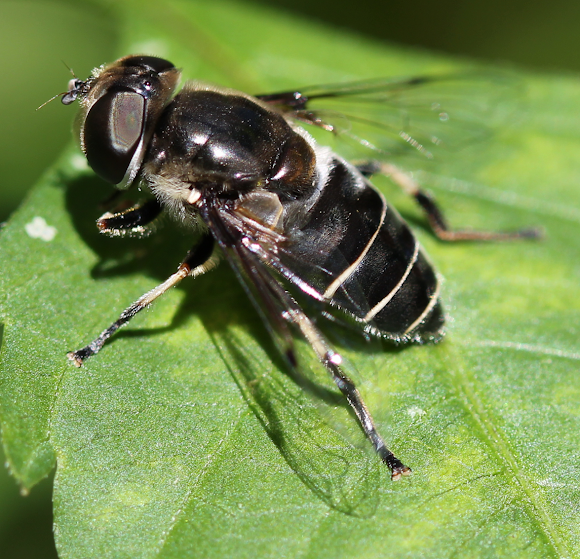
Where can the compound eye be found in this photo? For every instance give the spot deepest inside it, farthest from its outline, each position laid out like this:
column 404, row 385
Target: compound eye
column 112, row 133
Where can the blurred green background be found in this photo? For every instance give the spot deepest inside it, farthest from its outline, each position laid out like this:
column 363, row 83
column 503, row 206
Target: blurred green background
column 37, row 36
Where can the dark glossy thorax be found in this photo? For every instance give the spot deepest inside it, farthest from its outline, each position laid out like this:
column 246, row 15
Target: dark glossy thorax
column 227, row 141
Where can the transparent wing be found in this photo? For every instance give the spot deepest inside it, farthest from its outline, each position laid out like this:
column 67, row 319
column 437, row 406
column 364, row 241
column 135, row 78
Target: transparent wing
column 302, row 410
column 343, row 475
column 398, row 116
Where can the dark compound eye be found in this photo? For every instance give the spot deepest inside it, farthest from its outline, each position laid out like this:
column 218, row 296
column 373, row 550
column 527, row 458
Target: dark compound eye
column 112, row 133
column 154, row 63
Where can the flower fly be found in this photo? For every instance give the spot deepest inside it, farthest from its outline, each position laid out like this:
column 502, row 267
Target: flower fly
column 282, row 210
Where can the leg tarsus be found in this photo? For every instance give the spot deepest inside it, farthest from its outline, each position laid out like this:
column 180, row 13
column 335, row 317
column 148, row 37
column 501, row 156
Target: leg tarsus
column 398, row 472
column 398, row 469
column 433, row 213
column 79, row 356
column 442, row 230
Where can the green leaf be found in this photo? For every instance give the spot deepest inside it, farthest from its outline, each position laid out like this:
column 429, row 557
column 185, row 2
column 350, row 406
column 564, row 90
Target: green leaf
column 184, row 438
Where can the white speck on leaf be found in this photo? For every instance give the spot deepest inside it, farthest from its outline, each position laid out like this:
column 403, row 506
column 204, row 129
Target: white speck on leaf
column 416, row 411
column 39, row 229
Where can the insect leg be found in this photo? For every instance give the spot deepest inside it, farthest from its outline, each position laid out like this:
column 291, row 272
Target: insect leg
column 332, row 361
column 274, row 296
column 434, row 214
column 198, row 260
column 131, row 221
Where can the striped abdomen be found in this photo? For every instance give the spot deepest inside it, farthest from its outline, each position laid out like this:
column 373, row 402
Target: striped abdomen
column 359, row 255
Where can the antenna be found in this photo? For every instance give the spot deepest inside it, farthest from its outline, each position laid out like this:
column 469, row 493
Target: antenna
column 59, row 94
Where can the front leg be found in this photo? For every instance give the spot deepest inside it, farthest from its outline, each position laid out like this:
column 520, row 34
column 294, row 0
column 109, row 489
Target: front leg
column 132, row 222
column 200, row 259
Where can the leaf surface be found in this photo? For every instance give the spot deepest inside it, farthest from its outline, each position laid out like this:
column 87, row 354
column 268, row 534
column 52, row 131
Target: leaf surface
column 184, row 438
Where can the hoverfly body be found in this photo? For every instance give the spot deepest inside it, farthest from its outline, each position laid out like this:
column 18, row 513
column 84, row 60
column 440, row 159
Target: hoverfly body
column 275, row 204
